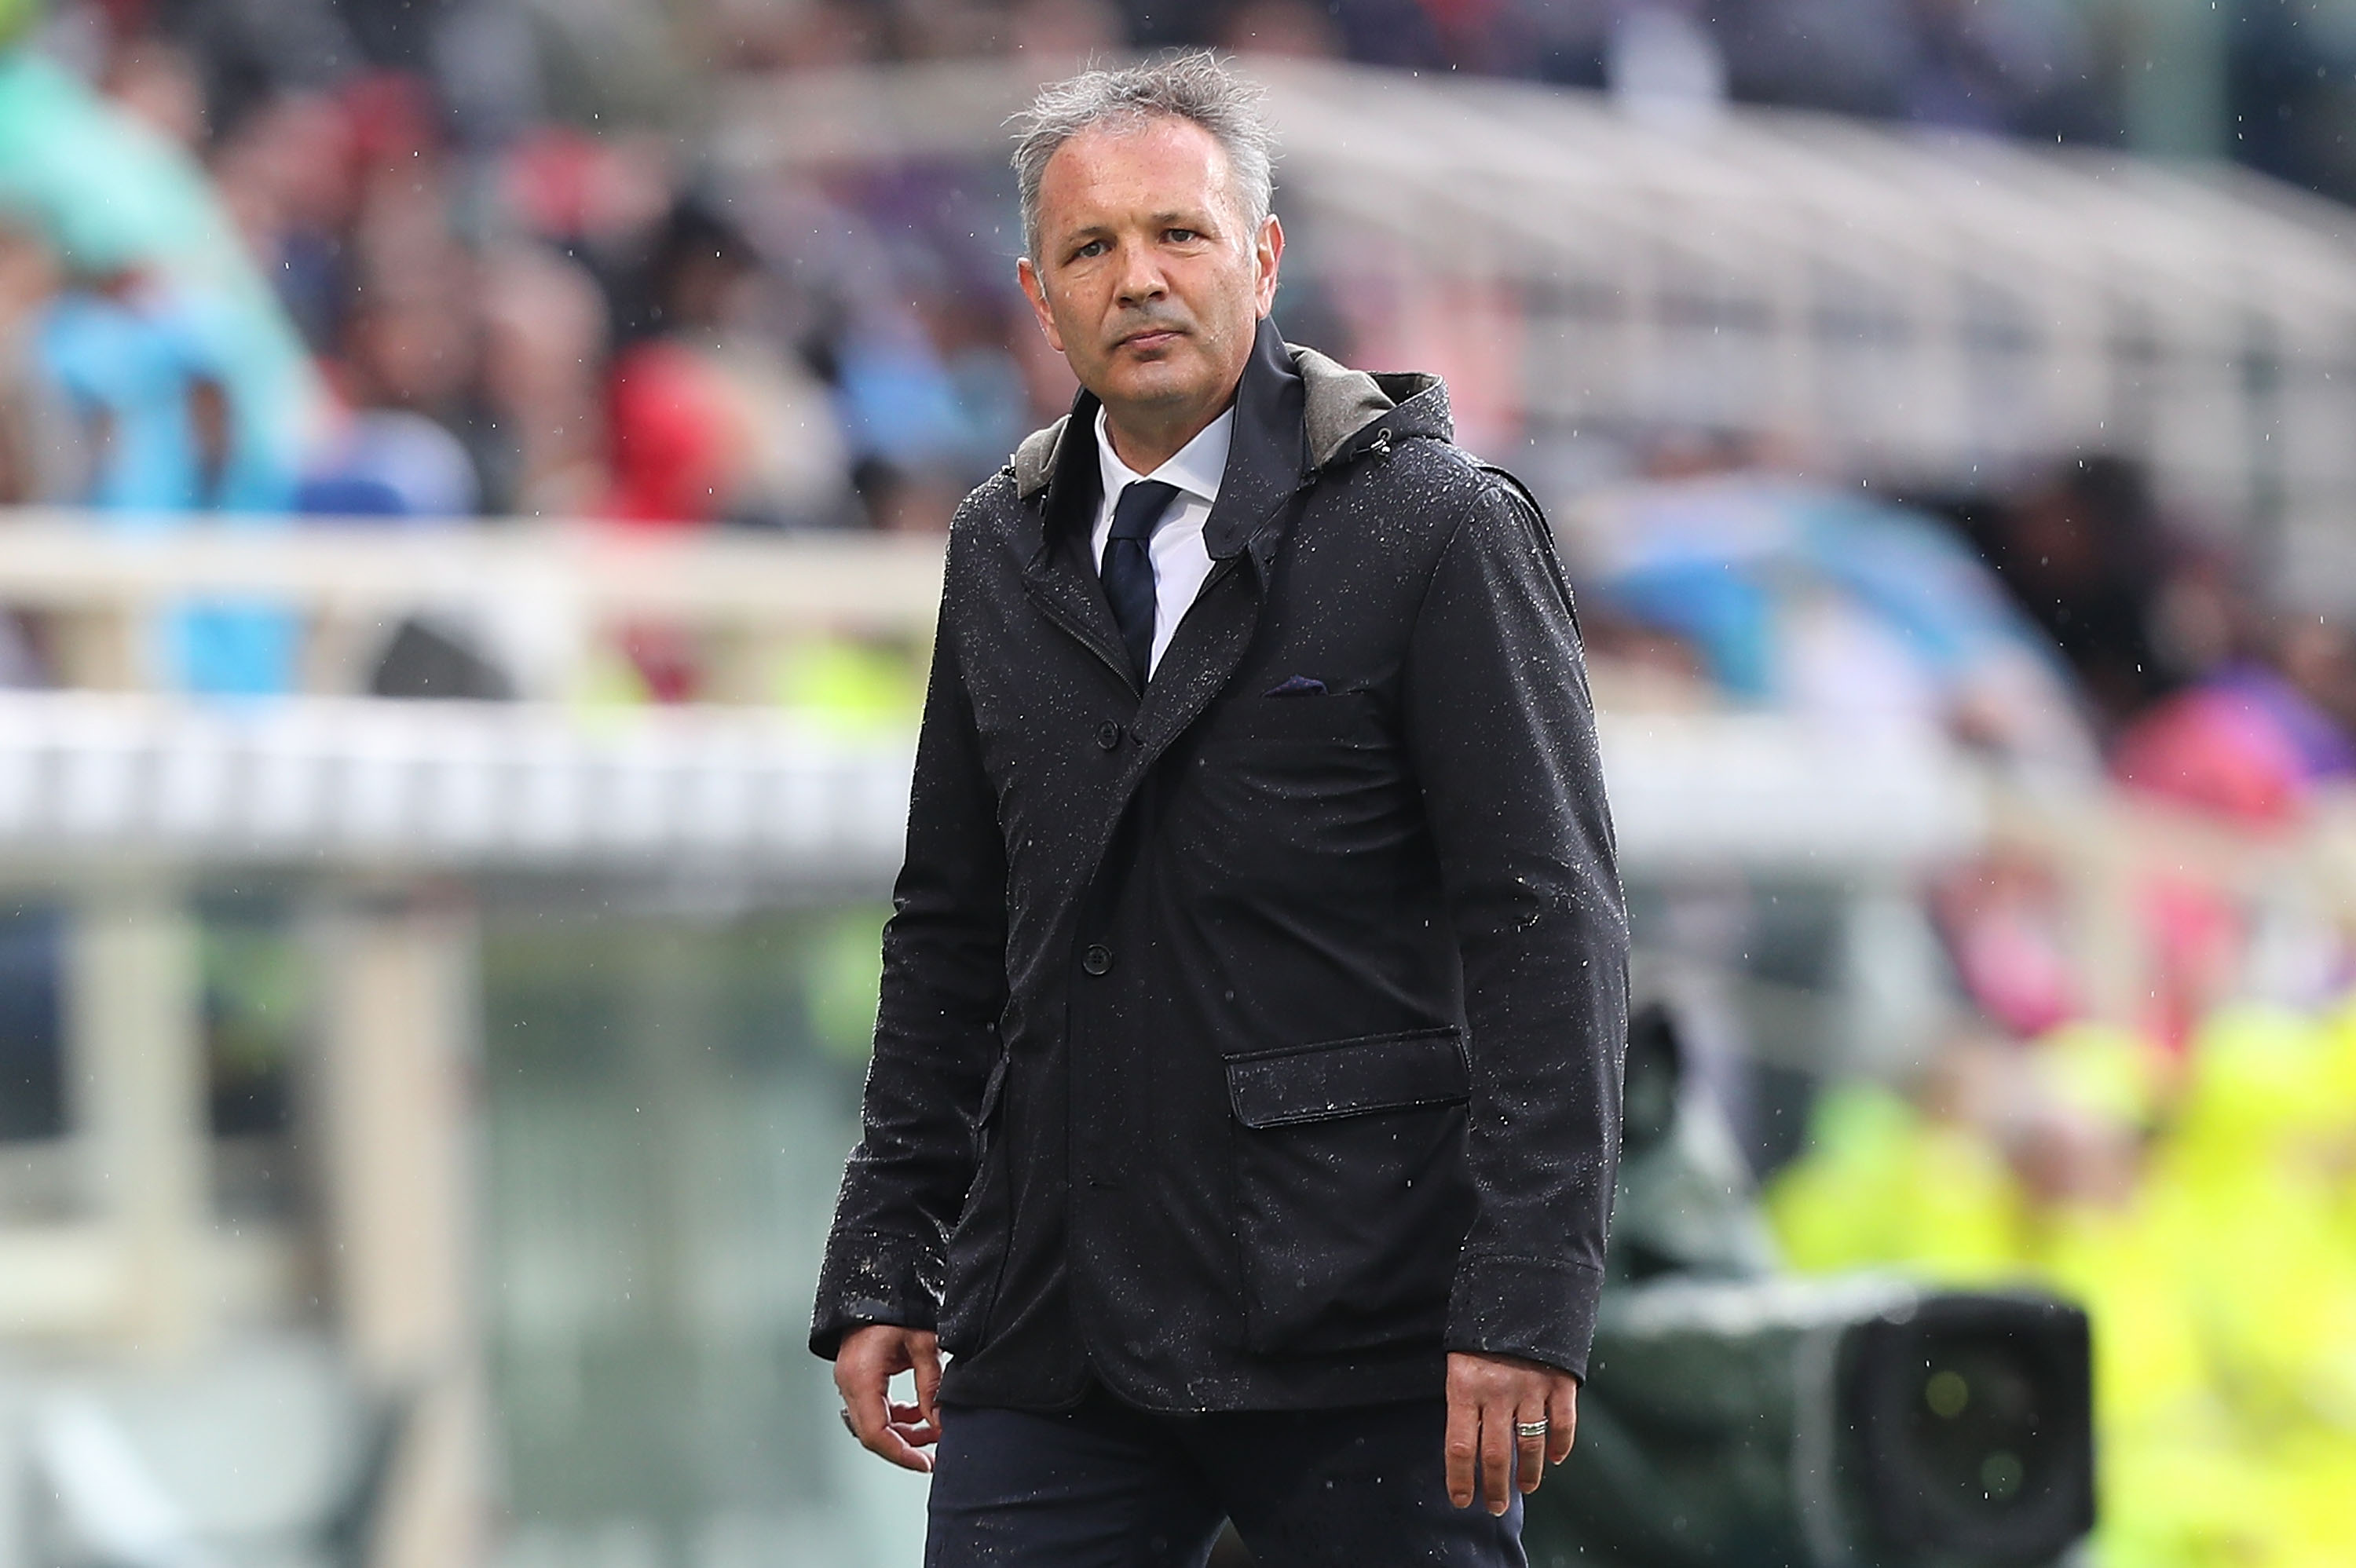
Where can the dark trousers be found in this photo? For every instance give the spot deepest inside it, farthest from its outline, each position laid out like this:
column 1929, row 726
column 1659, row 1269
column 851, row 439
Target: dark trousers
column 1105, row 1485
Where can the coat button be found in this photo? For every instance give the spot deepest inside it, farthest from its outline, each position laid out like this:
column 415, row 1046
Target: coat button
column 1097, row 959
column 1108, row 734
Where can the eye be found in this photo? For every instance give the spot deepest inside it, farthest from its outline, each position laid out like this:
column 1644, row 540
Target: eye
column 1180, row 236
column 1093, row 248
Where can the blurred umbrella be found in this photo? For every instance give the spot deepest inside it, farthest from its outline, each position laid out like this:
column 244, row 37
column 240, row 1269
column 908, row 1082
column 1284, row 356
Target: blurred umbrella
column 1833, row 604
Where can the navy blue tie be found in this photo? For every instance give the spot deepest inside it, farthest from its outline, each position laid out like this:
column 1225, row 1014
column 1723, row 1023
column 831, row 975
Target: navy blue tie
column 1128, row 567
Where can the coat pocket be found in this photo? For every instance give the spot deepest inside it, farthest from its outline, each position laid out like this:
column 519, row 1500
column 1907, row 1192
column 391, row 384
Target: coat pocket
column 1352, row 1195
column 977, row 1246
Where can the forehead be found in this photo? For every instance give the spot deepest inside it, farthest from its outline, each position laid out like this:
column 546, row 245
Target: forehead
column 1137, row 167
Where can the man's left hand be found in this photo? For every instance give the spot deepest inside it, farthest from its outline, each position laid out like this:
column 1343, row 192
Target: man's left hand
column 1488, row 1398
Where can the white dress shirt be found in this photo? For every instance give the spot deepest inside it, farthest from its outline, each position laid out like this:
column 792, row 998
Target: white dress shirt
column 1181, row 559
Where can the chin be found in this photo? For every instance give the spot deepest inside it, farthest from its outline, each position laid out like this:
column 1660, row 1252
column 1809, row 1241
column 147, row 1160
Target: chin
column 1157, row 383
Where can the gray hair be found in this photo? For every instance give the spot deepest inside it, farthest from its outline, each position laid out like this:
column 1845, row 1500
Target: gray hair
column 1192, row 86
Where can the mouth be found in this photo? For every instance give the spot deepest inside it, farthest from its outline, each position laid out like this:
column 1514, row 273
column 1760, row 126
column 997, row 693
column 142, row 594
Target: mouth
column 1151, row 340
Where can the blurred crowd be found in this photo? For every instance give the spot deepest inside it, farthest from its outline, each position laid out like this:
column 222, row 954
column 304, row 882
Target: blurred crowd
column 518, row 289
column 2064, row 626
column 297, row 264
column 339, row 259
column 518, row 319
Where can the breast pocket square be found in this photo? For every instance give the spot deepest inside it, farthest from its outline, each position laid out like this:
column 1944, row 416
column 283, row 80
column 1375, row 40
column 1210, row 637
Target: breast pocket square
column 1297, row 686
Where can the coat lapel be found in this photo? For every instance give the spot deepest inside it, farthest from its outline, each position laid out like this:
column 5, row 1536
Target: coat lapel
column 1059, row 577
column 1267, row 464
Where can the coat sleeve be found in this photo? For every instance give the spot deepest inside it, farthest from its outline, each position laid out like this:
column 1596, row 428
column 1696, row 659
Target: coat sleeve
column 936, row 1034
column 1502, row 733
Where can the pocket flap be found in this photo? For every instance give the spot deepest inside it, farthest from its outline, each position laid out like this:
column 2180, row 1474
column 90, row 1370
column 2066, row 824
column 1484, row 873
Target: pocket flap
column 1325, row 716
column 1348, row 1077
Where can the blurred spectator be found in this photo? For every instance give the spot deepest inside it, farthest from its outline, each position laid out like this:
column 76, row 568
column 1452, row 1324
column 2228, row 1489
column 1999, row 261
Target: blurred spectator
column 39, row 461
column 711, row 423
column 545, row 330
column 969, row 329
column 2291, row 91
column 904, row 416
column 182, row 385
column 147, row 399
column 2002, row 916
column 215, row 385
column 287, row 173
column 2255, row 740
column 1061, row 30
column 38, row 457
column 2083, row 556
column 1298, row 28
column 1664, row 65
column 919, row 345
column 594, row 197
column 390, row 463
column 2018, row 66
column 243, row 53
column 156, row 82
column 405, row 375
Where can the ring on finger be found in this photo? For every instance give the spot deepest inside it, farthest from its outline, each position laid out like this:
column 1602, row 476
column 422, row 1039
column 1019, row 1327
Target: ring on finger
column 1529, row 1431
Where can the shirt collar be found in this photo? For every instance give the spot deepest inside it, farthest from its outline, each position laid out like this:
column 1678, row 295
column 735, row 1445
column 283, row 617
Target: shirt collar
column 1196, row 467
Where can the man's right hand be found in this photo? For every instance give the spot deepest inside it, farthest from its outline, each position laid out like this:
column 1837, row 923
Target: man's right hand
column 864, row 1365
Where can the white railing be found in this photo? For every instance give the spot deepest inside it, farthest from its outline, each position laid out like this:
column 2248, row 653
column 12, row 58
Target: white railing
column 328, row 784
column 545, row 596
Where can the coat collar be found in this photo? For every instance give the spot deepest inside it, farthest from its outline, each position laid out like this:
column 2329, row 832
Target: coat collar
column 1268, row 456
column 1297, row 413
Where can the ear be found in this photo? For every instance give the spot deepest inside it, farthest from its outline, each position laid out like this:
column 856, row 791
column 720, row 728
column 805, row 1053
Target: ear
column 1268, row 252
column 1035, row 291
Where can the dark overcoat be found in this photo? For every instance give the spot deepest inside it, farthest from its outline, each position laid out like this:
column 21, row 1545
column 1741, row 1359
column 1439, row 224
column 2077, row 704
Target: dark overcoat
column 1249, row 1041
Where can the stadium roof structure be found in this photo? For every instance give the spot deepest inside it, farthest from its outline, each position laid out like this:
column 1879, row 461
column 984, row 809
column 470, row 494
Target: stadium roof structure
column 1938, row 307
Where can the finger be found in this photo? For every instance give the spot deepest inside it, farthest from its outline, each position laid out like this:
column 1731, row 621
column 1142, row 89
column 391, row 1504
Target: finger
column 890, row 1444
column 1461, row 1446
column 862, row 1374
column 1497, row 1453
column 864, row 1408
column 925, row 1353
column 1530, row 1448
column 916, row 1434
column 915, row 1427
column 1563, row 1419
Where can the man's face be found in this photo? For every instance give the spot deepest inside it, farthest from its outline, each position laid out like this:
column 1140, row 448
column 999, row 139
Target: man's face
column 1146, row 280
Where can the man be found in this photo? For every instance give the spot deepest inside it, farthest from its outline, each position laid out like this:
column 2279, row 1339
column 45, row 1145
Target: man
column 1245, row 1092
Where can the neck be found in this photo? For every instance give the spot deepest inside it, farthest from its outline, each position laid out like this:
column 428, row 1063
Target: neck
column 1145, row 443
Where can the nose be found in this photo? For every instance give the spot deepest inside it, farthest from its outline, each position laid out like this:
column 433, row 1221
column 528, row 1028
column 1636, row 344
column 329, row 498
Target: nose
column 1141, row 282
